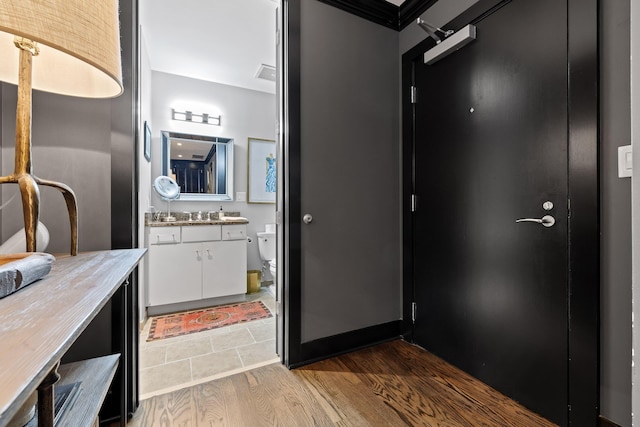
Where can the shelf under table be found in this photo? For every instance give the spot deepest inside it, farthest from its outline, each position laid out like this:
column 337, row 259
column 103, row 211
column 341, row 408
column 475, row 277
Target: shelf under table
column 94, row 376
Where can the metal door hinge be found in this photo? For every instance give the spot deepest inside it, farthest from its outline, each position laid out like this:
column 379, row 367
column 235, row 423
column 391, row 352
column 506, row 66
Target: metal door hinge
column 279, row 217
column 414, row 310
column 278, row 308
column 414, row 203
column 414, row 95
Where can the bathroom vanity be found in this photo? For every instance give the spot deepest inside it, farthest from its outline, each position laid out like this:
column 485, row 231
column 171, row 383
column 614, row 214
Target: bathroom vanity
column 193, row 264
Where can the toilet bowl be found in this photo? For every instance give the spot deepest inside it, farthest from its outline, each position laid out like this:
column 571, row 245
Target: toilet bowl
column 267, row 247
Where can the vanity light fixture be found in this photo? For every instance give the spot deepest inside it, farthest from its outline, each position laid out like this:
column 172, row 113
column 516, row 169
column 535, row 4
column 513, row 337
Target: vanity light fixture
column 190, row 116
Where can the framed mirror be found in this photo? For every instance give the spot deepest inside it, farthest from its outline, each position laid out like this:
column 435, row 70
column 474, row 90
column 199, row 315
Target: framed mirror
column 202, row 166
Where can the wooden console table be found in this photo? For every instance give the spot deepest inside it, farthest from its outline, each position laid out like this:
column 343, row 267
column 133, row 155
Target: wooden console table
column 39, row 323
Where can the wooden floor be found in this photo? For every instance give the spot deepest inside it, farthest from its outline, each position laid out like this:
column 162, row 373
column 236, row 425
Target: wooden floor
column 392, row 384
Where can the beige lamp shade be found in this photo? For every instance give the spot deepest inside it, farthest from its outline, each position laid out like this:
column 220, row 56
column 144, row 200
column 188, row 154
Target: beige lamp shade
column 78, row 40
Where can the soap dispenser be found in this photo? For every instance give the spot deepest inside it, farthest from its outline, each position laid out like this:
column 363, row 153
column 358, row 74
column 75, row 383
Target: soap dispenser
column 220, row 214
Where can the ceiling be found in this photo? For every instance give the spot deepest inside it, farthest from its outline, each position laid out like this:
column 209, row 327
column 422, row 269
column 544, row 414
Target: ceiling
column 224, row 41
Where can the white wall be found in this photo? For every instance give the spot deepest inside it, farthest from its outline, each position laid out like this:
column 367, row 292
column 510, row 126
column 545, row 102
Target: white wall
column 245, row 113
column 144, row 167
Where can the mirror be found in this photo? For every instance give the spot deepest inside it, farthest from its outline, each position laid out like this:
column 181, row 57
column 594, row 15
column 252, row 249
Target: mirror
column 169, row 190
column 202, row 166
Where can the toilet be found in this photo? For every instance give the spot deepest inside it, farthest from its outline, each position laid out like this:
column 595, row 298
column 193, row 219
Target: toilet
column 267, row 247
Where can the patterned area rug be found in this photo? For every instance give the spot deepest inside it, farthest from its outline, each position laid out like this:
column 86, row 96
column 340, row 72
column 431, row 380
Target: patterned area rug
column 173, row 325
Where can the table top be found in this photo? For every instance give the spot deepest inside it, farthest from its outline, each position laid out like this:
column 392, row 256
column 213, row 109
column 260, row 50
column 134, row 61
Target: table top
column 39, row 323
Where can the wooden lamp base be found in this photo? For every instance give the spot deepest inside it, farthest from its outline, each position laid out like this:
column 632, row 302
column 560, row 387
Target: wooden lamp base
column 22, row 175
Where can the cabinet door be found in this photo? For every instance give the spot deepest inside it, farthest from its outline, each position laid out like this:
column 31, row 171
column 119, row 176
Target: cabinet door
column 224, row 268
column 175, row 273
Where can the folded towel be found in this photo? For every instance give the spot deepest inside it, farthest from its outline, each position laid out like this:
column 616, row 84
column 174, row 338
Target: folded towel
column 235, row 218
column 22, row 269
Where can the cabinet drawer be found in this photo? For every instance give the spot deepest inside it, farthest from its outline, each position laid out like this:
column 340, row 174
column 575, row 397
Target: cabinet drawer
column 234, row 232
column 164, row 235
column 201, row 233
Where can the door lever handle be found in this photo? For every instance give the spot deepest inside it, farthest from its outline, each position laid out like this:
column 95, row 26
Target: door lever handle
column 546, row 220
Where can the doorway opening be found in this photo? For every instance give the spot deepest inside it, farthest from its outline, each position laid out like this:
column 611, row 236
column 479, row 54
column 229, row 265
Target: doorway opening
column 213, row 59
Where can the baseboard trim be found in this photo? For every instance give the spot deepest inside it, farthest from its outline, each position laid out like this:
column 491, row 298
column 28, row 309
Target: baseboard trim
column 158, row 310
column 603, row 422
column 323, row 348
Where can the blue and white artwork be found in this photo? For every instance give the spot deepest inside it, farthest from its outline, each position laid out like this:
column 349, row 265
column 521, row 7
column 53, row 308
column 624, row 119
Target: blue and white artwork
column 270, row 179
column 263, row 171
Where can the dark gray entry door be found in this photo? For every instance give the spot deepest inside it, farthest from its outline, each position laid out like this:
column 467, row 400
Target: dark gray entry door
column 491, row 138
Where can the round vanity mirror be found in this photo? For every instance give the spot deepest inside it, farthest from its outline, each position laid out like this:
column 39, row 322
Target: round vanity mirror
column 169, row 190
column 166, row 187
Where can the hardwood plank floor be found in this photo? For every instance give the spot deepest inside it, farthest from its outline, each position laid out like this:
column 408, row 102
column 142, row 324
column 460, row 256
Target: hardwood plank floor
column 392, row 384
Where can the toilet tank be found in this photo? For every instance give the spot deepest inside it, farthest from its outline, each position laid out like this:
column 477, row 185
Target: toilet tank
column 267, row 245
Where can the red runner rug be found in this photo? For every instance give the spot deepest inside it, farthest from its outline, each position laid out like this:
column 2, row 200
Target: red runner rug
column 173, row 325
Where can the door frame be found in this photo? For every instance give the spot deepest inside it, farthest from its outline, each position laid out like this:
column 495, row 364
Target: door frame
column 583, row 279
column 289, row 201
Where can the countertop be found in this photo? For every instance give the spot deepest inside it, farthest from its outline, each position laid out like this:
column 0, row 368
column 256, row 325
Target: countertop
column 182, row 223
column 188, row 219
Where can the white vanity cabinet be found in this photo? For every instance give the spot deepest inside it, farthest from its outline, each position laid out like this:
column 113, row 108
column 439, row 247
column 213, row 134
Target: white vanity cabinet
column 192, row 263
column 172, row 276
column 224, row 268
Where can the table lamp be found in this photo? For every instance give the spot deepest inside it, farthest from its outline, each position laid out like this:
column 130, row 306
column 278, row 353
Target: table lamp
column 68, row 47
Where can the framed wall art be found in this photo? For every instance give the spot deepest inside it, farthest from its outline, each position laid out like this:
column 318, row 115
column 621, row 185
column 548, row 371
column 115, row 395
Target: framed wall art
column 147, row 142
column 262, row 171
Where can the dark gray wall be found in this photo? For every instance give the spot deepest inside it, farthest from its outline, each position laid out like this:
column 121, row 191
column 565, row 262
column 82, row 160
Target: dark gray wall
column 350, row 172
column 615, row 303
column 635, row 198
column 71, row 139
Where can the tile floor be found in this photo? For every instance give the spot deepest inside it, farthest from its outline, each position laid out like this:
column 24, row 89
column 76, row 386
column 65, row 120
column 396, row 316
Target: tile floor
column 173, row 363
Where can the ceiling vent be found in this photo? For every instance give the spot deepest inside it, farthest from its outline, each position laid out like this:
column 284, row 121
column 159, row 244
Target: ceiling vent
column 266, row 72
column 197, row 157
